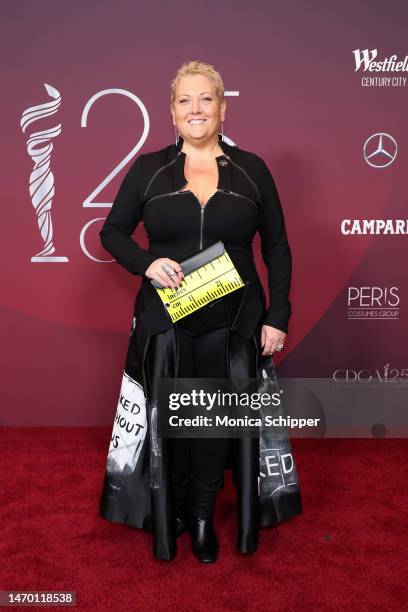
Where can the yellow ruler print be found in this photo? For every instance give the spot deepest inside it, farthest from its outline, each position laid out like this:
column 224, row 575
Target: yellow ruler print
column 212, row 280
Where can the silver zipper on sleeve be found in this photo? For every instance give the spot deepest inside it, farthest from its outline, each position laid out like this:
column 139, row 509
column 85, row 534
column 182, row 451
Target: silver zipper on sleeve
column 159, row 170
column 246, row 174
column 163, row 195
column 239, row 195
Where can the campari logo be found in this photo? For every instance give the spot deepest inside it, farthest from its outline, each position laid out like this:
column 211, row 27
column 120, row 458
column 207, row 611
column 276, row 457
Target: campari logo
column 350, row 227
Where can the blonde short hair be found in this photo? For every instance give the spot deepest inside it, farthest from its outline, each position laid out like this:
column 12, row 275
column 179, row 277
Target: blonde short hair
column 196, row 67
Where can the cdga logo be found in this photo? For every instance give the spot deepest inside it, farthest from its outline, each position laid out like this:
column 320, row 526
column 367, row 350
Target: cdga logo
column 386, row 375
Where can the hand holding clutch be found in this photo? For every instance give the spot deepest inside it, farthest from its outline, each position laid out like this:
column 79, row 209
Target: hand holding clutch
column 165, row 272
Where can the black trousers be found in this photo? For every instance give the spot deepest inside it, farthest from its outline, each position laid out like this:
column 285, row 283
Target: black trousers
column 197, row 464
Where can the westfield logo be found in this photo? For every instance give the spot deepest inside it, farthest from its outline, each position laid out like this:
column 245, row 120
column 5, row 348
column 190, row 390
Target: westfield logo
column 366, row 60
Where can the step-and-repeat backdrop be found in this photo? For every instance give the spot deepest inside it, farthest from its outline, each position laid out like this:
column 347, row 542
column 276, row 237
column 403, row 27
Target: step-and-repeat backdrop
column 319, row 90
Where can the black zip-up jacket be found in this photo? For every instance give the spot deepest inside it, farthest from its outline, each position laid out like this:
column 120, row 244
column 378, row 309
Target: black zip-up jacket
column 177, row 226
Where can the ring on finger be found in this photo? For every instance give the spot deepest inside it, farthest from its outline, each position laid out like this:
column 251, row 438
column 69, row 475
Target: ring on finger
column 168, row 269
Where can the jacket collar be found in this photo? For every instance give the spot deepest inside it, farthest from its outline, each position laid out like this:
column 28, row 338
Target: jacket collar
column 224, row 146
column 174, row 165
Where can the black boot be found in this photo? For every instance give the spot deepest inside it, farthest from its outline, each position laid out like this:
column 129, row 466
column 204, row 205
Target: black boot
column 204, row 542
column 201, row 504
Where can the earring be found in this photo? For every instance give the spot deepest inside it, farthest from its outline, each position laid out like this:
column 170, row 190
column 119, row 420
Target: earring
column 222, row 131
column 175, row 131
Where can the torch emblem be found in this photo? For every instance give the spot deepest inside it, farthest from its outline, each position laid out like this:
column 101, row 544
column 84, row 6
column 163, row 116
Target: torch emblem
column 41, row 187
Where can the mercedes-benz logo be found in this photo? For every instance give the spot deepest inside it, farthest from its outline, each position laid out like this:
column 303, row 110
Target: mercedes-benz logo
column 380, row 150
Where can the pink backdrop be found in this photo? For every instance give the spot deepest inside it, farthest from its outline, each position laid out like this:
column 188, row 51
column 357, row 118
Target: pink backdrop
column 298, row 102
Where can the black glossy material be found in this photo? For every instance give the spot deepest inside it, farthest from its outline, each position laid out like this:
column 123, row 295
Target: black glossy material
column 141, row 496
column 204, row 543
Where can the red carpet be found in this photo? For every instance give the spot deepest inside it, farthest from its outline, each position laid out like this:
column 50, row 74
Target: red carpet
column 347, row 551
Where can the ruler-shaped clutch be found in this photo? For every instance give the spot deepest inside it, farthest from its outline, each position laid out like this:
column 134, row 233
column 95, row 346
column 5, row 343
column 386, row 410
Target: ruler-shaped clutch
column 208, row 275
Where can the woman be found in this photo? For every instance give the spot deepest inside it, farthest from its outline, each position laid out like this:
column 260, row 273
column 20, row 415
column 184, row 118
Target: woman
column 189, row 196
